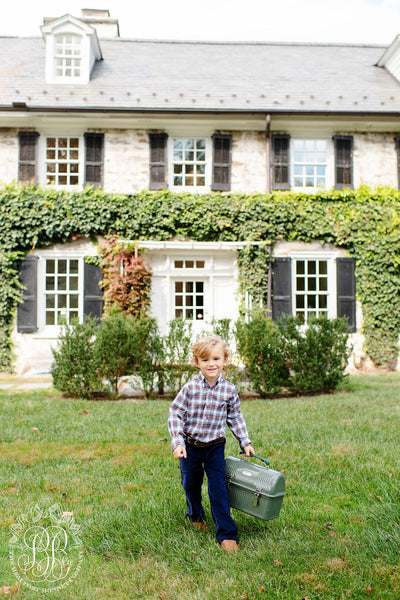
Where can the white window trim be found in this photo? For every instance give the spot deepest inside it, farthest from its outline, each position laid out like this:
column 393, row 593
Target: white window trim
column 42, row 159
column 194, row 274
column 330, row 257
column 330, row 166
column 209, row 157
column 53, row 331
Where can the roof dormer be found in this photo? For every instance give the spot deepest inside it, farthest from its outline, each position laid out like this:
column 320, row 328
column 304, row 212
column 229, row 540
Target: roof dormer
column 391, row 58
column 72, row 48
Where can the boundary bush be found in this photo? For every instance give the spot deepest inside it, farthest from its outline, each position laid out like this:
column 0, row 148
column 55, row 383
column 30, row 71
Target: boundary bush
column 276, row 357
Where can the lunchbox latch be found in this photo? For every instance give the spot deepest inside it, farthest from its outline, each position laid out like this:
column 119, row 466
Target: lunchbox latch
column 257, row 495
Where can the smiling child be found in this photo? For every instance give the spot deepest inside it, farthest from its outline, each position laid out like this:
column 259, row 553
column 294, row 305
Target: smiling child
column 197, row 424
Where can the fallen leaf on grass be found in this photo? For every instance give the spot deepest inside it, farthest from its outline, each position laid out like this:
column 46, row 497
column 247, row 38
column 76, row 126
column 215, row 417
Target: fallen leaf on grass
column 35, row 430
column 336, row 563
column 85, row 412
column 10, row 591
column 370, row 589
column 278, row 563
column 331, row 533
column 261, row 588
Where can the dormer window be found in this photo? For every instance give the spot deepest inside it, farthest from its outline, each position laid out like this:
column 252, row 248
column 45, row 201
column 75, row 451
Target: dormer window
column 72, row 49
column 68, row 55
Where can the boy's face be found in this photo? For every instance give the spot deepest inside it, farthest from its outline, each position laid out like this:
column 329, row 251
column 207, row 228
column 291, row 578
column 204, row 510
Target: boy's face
column 212, row 366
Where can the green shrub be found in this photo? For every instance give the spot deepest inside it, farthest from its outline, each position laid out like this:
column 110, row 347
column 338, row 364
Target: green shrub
column 317, row 354
column 148, row 355
column 116, row 346
column 75, row 369
column 178, row 343
column 261, row 348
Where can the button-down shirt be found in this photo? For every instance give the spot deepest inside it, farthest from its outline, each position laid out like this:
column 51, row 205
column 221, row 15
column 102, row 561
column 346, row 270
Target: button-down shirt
column 202, row 412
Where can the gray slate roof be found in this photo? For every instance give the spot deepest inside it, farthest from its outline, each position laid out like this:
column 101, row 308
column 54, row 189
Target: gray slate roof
column 206, row 76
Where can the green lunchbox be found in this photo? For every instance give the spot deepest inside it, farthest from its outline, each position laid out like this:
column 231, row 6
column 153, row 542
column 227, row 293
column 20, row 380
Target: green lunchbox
column 254, row 489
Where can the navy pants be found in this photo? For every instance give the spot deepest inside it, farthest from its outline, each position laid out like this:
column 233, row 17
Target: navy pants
column 209, row 460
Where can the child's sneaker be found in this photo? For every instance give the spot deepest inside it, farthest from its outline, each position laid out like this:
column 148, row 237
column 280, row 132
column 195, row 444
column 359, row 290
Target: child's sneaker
column 229, row 545
column 197, row 522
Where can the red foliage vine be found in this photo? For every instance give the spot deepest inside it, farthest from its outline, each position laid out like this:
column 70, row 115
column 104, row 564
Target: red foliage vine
column 127, row 277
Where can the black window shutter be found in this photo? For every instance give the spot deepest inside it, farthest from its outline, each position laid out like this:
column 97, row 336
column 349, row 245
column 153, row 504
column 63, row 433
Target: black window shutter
column 93, row 294
column 158, row 161
column 281, row 287
column 222, row 161
column 27, row 164
column 94, row 159
column 343, row 161
column 397, row 140
column 346, row 290
column 27, row 309
column 280, row 162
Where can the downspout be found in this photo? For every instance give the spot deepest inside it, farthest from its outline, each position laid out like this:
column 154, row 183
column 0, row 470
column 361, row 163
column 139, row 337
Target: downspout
column 269, row 283
column 268, row 188
column 268, row 152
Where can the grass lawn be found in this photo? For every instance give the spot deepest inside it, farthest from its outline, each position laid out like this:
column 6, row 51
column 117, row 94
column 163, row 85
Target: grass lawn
column 337, row 536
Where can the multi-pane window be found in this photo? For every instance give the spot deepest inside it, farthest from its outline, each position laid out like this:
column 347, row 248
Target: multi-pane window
column 62, row 160
column 311, row 288
column 189, row 300
column 68, row 55
column 61, row 290
column 189, row 162
column 309, row 163
column 189, row 264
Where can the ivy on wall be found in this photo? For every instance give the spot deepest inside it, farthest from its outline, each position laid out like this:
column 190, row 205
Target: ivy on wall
column 365, row 222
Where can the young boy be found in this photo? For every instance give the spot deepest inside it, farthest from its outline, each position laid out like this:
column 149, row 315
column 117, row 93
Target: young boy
column 197, row 424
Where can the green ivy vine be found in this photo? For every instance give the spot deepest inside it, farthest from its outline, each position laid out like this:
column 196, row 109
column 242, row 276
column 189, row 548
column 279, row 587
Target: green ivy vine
column 365, row 222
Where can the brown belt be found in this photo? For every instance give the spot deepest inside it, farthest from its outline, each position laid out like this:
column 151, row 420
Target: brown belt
column 199, row 444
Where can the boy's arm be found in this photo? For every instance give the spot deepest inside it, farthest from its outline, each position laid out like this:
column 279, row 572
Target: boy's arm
column 176, row 421
column 237, row 424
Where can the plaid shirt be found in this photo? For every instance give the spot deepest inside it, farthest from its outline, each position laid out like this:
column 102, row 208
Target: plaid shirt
column 202, row 412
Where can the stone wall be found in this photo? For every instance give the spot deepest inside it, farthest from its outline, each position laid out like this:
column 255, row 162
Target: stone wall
column 8, row 155
column 375, row 160
column 126, row 156
column 249, row 162
column 126, row 161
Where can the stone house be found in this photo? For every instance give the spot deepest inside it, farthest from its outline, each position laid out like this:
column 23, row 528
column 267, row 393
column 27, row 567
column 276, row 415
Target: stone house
column 81, row 106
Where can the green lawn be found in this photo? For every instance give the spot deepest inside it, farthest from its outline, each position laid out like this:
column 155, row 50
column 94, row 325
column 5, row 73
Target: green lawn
column 337, row 536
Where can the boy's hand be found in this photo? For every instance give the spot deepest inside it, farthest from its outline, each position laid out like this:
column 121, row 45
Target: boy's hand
column 248, row 450
column 179, row 452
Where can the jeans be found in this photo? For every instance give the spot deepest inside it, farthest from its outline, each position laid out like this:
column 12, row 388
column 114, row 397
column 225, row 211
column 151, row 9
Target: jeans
column 210, row 460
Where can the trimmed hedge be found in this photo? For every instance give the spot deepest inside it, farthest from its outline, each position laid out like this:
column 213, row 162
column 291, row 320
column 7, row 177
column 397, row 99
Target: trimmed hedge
column 92, row 356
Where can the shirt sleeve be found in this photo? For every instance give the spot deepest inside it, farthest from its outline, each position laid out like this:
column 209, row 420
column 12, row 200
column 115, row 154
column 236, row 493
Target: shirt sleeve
column 177, row 419
column 236, row 422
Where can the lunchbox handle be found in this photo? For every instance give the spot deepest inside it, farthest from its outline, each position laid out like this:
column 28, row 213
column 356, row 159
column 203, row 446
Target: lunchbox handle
column 256, row 456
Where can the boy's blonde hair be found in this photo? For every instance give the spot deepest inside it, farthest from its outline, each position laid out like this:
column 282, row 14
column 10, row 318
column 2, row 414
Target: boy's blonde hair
column 203, row 348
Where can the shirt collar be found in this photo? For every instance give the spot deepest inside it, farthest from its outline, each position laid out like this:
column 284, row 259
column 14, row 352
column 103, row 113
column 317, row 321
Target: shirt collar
column 206, row 383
